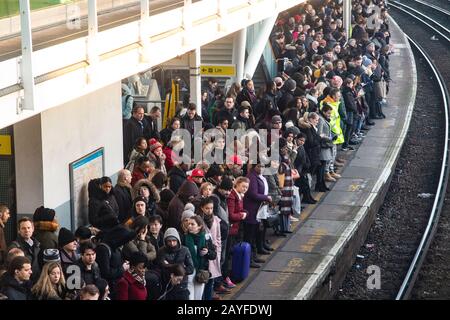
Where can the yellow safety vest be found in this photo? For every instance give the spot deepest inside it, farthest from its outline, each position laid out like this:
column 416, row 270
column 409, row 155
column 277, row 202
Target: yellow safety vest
column 335, row 119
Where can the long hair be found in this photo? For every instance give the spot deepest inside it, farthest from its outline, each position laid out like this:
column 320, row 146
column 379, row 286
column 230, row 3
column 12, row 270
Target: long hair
column 44, row 288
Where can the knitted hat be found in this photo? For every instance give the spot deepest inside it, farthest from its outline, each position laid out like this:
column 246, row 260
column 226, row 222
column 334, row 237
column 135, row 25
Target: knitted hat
column 226, row 184
column 51, row 255
column 83, row 233
column 43, row 214
column 65, row 236
column 276, row 119
column 154, row 144
column 290, row 85
column 187, row 214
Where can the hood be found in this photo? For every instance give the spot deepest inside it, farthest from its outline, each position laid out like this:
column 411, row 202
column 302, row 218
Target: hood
column 188, row 189
column 172, row 232
column 154, row 193
column 303, row 123
column 51, row 226
column 94, row 190
column 117, row 236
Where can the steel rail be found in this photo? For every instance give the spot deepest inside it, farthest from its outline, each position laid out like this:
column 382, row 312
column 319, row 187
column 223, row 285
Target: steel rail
column 421, row 252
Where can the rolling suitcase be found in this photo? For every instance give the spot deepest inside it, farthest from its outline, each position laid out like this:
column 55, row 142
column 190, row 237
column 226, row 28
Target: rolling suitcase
column 240, row 261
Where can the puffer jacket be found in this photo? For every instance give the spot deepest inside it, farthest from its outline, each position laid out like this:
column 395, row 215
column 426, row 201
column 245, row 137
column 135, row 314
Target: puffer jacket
column 154, row 196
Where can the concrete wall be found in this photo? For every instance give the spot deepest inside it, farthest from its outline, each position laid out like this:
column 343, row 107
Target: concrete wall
column 28, row 163
column 73, row 130
column 46, row 144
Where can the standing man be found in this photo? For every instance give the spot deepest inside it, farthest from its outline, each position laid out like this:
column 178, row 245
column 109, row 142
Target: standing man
column 135, row 128
column 152, row 119
column 4, row 216
column 29, row 245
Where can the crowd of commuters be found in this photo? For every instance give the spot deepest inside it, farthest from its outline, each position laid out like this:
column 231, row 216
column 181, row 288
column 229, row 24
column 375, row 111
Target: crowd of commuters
column 167, row 229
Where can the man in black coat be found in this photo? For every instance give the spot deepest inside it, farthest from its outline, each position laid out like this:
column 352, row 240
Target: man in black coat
column 152, row 120
column 177, row 176
column 137, row 126
column 228, row 112
column 28, row 244
column 122, row 193
column 16, row 284
column 90, row 272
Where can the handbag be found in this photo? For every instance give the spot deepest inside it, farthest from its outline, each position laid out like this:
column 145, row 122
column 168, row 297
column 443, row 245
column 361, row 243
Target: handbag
column 202, row 276
column 281, row 177
column 263, row 211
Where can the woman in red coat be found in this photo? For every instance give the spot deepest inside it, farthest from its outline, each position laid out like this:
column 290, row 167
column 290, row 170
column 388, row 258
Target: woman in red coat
column 132, row 284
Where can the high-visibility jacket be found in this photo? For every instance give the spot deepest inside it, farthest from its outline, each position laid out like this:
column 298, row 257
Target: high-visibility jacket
column 335, row 119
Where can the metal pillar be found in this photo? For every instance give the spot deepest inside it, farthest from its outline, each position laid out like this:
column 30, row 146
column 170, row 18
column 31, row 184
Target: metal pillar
column 258, row 46
column 143, row 27
column 238, row 58
column 195, row 80
column 347, row 16
column 92, row 54
column 26, row 62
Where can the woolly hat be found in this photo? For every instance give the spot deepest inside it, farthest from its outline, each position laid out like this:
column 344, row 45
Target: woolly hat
column 43, row 214
column 51, row 255
column 154, row 144
column 366, row 61
column 276, row 119
column 226, row 184
column 83, row 233
column 137, row 257
column 65, row 236
column 187, row 213
column 290, row 85
column 137, row 199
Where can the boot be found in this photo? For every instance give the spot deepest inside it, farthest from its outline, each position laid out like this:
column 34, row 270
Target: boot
column 266, row 245
column 329, row 178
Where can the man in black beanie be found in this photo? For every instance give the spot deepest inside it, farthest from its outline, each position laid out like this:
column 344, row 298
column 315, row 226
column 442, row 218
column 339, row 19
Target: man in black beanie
column 68, row 245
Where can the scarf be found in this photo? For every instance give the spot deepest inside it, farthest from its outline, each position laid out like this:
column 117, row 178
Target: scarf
column 196, row 242
column 137, row 277
column 208, row 220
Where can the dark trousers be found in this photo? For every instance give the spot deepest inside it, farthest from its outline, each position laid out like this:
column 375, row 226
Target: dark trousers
column 231, row 241
column 349, row 128
column 250, row 236
column 320, row 177
column 209, row 290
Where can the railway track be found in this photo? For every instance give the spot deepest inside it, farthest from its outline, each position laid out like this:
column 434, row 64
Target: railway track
column 403, row 233
column 435, row 19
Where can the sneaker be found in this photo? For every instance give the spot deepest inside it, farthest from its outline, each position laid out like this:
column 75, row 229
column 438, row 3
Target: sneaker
column 228, row 283
column 222, row 290
column 351, row 148
column 344, row 149
column 294, row 219
column 335, row 175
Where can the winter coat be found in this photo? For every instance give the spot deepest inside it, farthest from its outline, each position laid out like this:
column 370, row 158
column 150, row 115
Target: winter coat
column 89, row 276
column 102, row 206
column 240, row 123
column 170, row 157
column 132, row 131
column 134, row 155
column 67, row 260
column 235, row 212
column 3, row 246
column 137, row 174
column 109, row 255
column 349, row 96
column 285, row 100
column 176, row 206
column 188, row 124
column 323, row 128
column 166, row 135
column 124, row 201
column 312, row 144
column 214, row 265
column 274, row 189
column 194, row 247
column 301, row 162
column 128, row 288
column 31, row 253
column 246, row 95
column 44, row 232
column 176, row 178
column 144, row 246
column 153, row 199
column 254, row 197
column 177, row 255
column 286, row 200
column 14, row 290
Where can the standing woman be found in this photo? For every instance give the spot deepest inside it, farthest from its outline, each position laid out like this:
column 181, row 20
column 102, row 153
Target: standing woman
column 257, row 193
column 326, row 147
column 51, row 284
column 202, row 250
column 166, row 133
column 139, row 150
column 308, row 125
column 287, row 190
